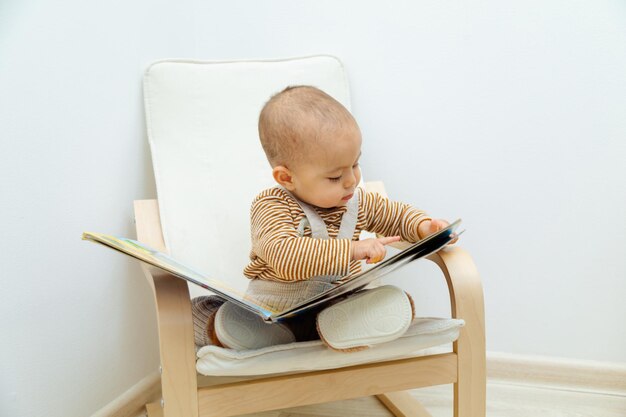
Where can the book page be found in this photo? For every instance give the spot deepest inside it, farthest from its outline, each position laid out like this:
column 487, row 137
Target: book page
column 161, row 260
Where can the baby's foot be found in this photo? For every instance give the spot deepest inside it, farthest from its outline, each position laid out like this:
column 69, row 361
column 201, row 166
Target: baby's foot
column 238, row 328
column 367, row 318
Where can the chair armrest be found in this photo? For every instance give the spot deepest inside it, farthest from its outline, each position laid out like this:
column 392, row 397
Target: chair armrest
column 465, row 287
column 464, row 284
column 174, row 320
column 466, row 299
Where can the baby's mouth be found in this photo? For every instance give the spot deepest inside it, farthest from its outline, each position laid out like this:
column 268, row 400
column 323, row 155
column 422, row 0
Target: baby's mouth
column 348, row 197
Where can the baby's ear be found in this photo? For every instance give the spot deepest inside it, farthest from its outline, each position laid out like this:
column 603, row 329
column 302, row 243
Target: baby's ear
column 283, row 176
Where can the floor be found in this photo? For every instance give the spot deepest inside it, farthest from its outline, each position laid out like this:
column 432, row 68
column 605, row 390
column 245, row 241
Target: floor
column 503, row 400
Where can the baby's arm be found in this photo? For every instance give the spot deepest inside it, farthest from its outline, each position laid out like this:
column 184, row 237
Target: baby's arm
column 393, row 218
column 276, row 241
column 389, row 218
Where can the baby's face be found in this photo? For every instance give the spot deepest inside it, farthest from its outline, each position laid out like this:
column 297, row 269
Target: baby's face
column 329, row 173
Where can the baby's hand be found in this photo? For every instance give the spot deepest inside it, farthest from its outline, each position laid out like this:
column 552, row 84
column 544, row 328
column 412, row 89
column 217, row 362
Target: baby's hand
column 428, row 227
column 372, row 249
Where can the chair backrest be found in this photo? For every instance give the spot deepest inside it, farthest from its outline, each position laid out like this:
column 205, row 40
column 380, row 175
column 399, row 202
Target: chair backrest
column 208, row 163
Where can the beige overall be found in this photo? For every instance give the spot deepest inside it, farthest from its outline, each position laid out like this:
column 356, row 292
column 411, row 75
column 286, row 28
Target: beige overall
column 283, row 295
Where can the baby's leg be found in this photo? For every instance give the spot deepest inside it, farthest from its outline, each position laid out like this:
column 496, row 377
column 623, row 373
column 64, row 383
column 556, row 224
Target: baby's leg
column 203, row 310
column 221, row 323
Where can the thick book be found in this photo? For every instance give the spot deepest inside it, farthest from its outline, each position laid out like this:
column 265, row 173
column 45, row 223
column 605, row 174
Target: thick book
column 151, row 256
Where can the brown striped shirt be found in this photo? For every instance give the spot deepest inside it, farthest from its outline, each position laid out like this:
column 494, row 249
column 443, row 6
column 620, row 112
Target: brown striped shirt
column 280, row 254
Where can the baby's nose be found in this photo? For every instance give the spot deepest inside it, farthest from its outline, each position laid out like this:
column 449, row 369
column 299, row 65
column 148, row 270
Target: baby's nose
column 350, row 181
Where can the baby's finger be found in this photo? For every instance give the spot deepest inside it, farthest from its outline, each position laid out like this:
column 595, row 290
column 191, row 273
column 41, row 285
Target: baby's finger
column 388, row 240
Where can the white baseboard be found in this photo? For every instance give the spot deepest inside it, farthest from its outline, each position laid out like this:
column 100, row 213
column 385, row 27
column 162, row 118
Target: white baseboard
column 508, row 368
column 132, row 402
column 557, row 373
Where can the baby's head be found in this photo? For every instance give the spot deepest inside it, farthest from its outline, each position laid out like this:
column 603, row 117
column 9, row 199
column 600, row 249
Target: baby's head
column 313, row 144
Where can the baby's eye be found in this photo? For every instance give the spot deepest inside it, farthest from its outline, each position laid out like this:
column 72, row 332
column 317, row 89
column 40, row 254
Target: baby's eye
column 335, row 179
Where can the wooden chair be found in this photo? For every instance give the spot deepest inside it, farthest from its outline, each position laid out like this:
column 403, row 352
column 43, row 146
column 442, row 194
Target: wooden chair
column 187, row 394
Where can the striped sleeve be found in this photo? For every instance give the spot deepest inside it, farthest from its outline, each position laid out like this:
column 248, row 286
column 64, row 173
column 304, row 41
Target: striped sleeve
column 293, row 258
column 392, row 218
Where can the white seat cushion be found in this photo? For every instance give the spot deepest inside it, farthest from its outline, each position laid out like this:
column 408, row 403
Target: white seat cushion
column 423, row 334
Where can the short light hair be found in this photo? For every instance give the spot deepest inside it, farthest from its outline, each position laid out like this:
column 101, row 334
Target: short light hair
column 295, row 118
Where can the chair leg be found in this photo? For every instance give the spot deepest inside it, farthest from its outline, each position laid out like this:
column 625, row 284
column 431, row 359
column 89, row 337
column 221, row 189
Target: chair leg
column 402, row 404
column 154, row 410
column 471, row 386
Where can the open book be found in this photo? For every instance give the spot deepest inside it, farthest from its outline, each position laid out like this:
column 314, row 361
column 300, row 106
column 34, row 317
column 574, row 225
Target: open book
column 161, row 260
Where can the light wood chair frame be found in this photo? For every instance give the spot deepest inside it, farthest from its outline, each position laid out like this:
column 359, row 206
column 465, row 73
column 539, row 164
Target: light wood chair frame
column 187, row 394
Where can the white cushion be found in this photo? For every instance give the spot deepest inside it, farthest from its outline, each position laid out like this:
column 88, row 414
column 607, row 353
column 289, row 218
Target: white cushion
column 420, row 338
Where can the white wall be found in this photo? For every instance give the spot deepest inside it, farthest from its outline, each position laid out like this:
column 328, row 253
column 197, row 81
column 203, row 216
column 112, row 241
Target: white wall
column 508, row 114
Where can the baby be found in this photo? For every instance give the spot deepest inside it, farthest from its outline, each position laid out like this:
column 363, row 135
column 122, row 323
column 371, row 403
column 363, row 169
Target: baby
column 305, row 234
